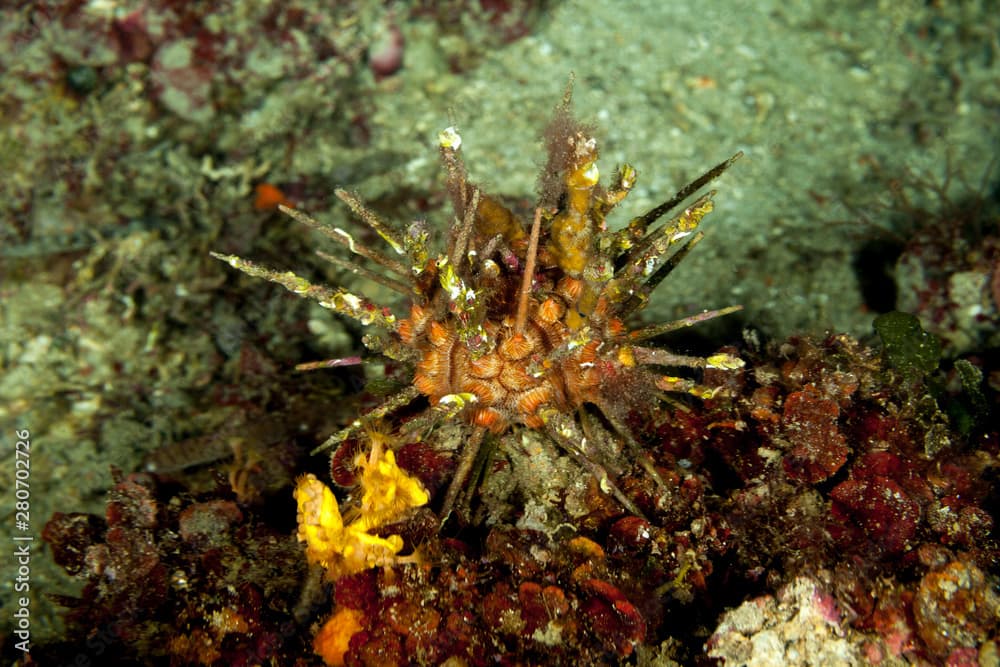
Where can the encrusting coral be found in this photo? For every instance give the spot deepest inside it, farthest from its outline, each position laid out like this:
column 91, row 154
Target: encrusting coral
column 524, row 324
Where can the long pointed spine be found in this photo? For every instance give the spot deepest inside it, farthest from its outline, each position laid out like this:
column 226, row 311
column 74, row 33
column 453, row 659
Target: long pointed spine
column 338, row 299
column 639, row 225
column 340, row 236
column 529, row 271
column 385, row 281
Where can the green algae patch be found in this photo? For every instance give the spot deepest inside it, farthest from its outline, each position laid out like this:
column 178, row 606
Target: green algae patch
column 908, row 348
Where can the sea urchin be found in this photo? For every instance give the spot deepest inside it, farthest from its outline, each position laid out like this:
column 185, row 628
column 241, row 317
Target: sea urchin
column 521, row 324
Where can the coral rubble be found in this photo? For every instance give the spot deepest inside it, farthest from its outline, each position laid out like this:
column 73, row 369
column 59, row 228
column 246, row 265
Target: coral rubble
column 177, row 579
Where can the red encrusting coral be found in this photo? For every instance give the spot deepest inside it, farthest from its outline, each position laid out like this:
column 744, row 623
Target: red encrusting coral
column 818, row 448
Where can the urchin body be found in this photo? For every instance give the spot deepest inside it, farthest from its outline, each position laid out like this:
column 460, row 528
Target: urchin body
column 521, row 374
